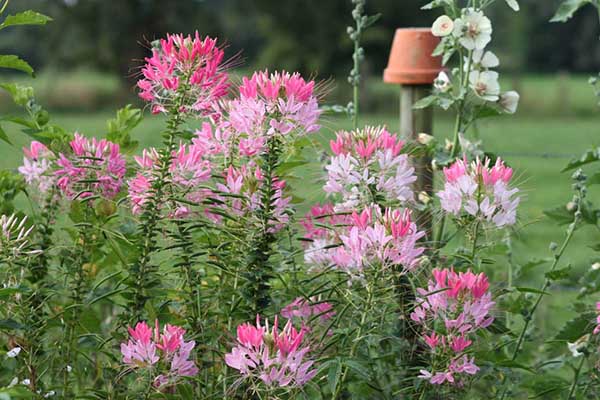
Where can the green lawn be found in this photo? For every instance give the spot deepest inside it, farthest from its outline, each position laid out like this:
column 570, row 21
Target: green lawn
column 522, row 141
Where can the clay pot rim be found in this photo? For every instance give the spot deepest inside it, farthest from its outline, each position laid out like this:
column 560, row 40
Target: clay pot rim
column 415, row 29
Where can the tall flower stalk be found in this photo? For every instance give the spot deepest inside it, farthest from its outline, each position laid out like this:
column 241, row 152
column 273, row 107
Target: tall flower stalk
column 472, row 89
column 183, row 76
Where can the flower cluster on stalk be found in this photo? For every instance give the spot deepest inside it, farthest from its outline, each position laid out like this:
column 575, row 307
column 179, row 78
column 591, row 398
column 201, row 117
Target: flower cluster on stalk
column 37, row 167
column 190, row 62
column 272, row 104
column 189, row 169
column 450, row 311
column 368, row 167
column 92, row 168
column 362, row 240
column 14, row 238
column 480, row 191
column 166, row 355
column 276, row 358
column 470, row 33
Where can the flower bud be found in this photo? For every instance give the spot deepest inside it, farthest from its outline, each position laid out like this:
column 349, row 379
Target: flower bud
column 424, row 138
column 424, row 198
column 553, row 246
column 571, row 206
column 596, row 266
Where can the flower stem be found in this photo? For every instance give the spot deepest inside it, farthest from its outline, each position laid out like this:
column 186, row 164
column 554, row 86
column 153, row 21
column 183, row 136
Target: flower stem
column 557, row 256
column 363, row 319
column 573, row 390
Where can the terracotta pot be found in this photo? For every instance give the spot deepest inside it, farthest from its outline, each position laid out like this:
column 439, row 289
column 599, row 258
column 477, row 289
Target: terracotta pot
column 411, row 62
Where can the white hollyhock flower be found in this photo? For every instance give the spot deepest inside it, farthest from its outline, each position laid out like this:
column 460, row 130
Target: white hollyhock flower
column 14, row 352
column 474, row 30
column 485, row 59
column 513, row 4
column 485, row 84
column 443, row 26
column 509, row 101
column 442, row 82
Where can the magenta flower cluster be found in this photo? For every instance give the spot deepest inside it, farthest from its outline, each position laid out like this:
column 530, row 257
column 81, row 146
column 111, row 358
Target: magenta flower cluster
column 189, row 64
column 450, row 311
column 362, row 240
column 277, row 358
column 92, row 168
column 367, row 162
column 166, row 355
column 272, row 104
column 480, row 191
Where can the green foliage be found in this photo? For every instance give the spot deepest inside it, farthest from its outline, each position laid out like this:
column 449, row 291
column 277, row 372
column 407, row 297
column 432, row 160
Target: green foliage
column 569, row 7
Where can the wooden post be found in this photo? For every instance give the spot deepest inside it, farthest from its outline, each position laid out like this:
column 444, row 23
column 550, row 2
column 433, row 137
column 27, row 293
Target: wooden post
column 412, row 66
column 413, row 122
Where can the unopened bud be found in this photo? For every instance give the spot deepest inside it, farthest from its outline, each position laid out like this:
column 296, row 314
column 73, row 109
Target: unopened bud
column 553, row 246
column 596, row 266
column 434, row 166
column 424, row 138
column 571, row 206
column 449, row 145
column 424, row 198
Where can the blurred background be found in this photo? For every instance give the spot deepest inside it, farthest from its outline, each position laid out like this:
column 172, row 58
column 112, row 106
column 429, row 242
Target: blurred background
column 88, row 58
column 91, row 50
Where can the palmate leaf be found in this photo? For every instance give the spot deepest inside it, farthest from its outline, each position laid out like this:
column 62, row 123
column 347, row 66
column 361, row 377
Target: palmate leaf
column 588, row 157
column 25, row 18
column 576, row 328
column 14, row 62
column 567, row 9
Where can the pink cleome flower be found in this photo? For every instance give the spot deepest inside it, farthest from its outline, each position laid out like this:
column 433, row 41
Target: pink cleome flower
column 451, row 311
column 187, row 62
column 37, row 165
column 275, row 357
column 365, row 161
column 166, row 353
column 362, row 240
column 480, row 191
column 597, row 328
column 308, row 309
column 94, row 167
column 188, row 170
column 272, row 104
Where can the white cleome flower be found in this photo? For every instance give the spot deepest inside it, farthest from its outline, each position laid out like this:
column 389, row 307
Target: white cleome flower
column 485, row 60
column 474, row 30
column 14, row 352
column 509, row 101
column 485, row 85
column 443, row 26
column 442, row 82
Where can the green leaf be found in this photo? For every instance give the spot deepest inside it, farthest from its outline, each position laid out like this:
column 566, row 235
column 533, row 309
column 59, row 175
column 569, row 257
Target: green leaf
column 371, row 20
column 576, row 328
column 424, row 102
column 531, row 290
column 14, row 62
column 4, row 136
column 507, row 363
column 588, row 157
column 334, row 374
column 25, row 18
column 559, row 274
column 567, row 9
column 594, row 179
column 560, row 214
column 119, row 128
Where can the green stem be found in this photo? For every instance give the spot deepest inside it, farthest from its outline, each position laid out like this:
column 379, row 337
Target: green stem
column 573, row 390
column 142, row 271
column 363, row 318
column 557, row 256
